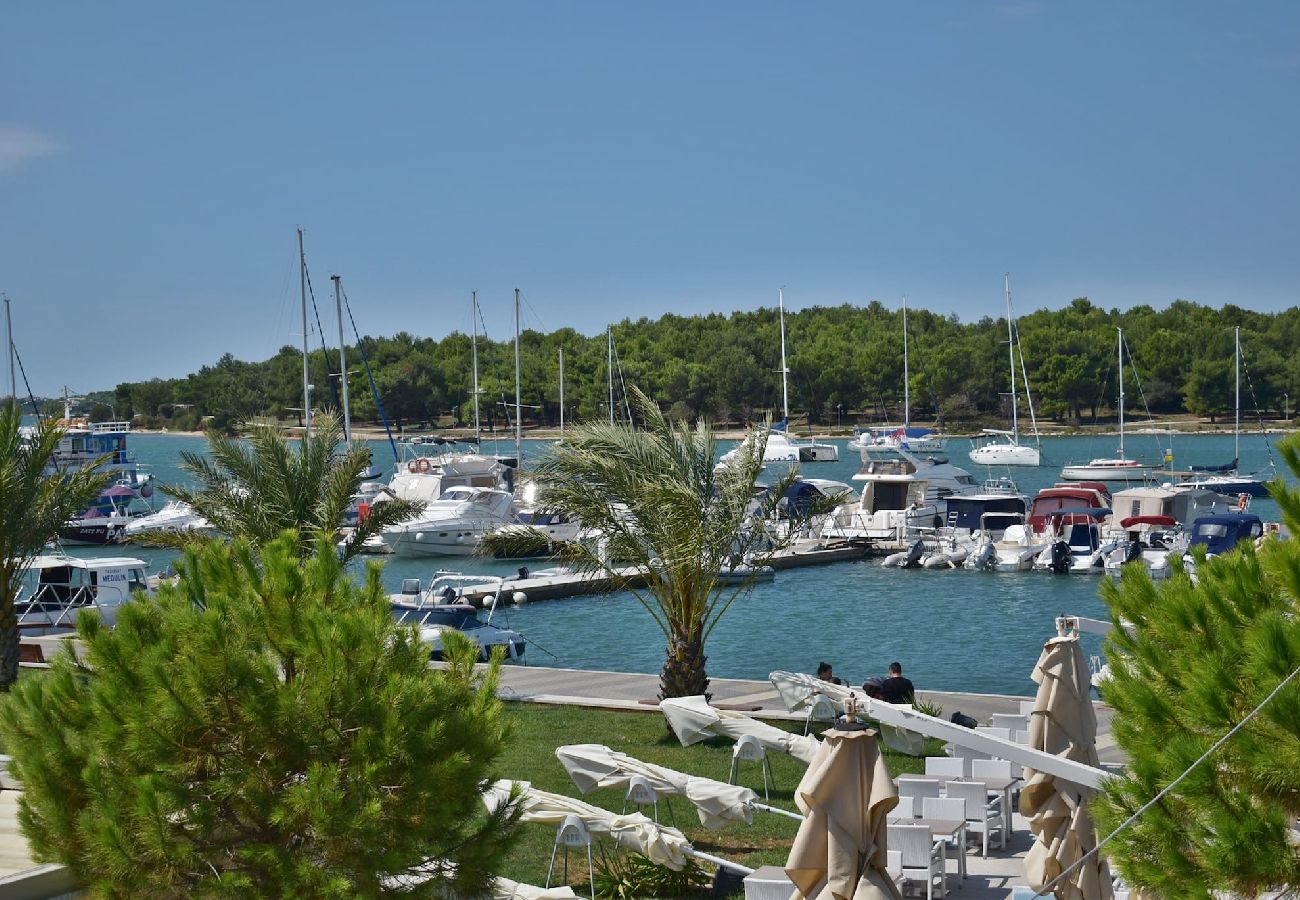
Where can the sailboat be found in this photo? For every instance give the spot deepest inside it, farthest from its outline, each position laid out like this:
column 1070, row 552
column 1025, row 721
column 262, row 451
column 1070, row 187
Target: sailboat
column 1003, row 448
column 917, row 440
column 1226, row 479
column 780, row 447
column 1119, row 467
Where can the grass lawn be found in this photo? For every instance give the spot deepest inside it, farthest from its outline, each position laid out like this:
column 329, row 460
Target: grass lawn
column 538, row 730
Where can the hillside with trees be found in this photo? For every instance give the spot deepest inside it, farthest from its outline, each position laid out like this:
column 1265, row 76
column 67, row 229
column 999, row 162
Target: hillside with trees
column 846, row 366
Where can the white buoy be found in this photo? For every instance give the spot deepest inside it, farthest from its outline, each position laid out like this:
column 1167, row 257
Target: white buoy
column 520, row 598
column 490, row 602
column 419, row 535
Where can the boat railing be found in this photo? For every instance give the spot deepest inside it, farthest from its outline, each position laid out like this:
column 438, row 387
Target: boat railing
column 55, row 605
column 109, row 427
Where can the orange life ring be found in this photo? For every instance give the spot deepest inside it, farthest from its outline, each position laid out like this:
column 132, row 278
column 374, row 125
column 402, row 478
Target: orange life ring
column 1243, row 500
column 423, row 464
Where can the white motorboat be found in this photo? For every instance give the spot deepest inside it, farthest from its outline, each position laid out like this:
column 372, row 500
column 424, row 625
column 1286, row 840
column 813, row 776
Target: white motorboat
column 1118, row 467
column 452, row 525
column 905, row 437
column 174, row 516
column 1003, row 448
column 105, row 521
column 427, row 470
column 1005, row 546
column 893, row 506
column 61, row 587
column 942, row 478
column 442, row 606
column 1078, row 546
column 1150, row 541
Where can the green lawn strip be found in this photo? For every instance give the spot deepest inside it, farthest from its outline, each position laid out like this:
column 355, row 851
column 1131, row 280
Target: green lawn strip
column 538, row 730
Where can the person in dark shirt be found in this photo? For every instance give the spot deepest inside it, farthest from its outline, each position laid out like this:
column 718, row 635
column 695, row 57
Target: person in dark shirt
column 896, row 688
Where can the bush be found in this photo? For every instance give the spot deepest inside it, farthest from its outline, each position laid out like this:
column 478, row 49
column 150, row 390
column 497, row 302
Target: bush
column 261, row 730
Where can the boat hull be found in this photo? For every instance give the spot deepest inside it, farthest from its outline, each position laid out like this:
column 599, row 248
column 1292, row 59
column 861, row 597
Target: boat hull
column 1102, row 471
column 1006, row 455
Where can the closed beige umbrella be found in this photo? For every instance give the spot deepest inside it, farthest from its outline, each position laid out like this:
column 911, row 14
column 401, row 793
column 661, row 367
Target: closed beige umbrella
column 594, row 766
column 693, row 720
column 660, row 844
column 1064, row 724
column 845, row 795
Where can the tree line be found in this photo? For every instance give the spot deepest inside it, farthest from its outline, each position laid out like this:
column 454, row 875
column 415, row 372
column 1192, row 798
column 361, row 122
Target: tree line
column 845, row 362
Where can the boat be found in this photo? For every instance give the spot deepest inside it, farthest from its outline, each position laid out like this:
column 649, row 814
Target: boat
column 1149, row 541
column 778, row 445
column 905, row 437
column 1058, row 497
column 1118, row 467
column 1003, row 448
column 85, row 443
column 1221, row 533
column 1078, row 545
column 174, row 516
column 1226, row 479
column 106, row 519
column 942, row 478
column 443, row 606
column 892, row 510
column 63, row 586
column 452, row 525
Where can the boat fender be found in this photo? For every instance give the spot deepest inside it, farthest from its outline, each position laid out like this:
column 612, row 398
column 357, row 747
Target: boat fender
column 363, row 512
column 1243, row 502
column 146, row 490
column 419, row 535
column 519, row 598
column 1061, row 561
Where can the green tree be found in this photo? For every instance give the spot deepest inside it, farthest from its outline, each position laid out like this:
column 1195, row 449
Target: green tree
column 35, row 501
column 263, row 729
column 657, row 503
column 256, row 488
column 1190, row 660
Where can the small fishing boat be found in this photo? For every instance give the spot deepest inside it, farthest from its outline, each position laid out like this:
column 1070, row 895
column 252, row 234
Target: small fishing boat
column 444, row 606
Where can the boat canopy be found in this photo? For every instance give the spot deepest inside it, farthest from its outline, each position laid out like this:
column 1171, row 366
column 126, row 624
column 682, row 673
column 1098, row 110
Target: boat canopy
column 1161, row 521
column 1226, row 467
column 966, row 512
column 1220, row 534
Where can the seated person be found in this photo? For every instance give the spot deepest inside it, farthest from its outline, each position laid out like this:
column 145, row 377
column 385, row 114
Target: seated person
column 896, row 688
column 871, row 687
column 824, row 673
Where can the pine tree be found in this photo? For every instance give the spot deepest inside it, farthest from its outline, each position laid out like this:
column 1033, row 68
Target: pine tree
column 263, row 729
column 1191, row 659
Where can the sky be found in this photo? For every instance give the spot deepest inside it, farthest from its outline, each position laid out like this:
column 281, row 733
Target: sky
column 620, row 160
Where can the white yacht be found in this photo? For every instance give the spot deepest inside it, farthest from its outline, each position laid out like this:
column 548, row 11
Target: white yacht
column 893, row 506
column 452, row 525
column 942, row 478
column 1003, row 448
column 174, row 516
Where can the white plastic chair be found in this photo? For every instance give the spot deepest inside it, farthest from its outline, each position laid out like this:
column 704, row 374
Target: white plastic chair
column 1004, row 733
column 821, row 710
column 1027, row 707
column 572, row 833
column 906, row 808
column 912, row 786
column 894, row 864
column 947, row 809
column 1020, row 737
column 748, row 749
column 960, row 752
column 1013, row 722
column 982, row 814
column 947, row 766
column 921, row 857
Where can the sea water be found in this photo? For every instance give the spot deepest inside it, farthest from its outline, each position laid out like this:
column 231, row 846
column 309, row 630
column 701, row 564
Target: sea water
column 954, row 630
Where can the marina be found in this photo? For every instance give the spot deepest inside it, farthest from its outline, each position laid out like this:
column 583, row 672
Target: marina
column 955, row 629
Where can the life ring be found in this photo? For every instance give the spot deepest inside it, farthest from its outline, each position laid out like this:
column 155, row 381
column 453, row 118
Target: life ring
column 423, row 465
column 1243, row 501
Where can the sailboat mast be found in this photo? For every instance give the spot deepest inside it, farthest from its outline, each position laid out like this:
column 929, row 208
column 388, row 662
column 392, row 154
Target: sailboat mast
column 306, row 373
column 343, row 360
column 785, row 393
column 1236, row 428
column 473, row 344
column 609, row 334
column 907, row 387
column 1120, row 332
column 519, row 423
column 1011, row 355
column 561, row 391
column 9, row 333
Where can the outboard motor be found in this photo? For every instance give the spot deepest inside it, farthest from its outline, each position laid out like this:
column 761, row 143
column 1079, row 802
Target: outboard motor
column 1134, row 552
column 914, row 555
column 984, row 557
column 1061, row 559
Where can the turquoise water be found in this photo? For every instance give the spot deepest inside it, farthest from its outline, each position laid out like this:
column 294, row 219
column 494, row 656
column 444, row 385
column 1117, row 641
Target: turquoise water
column 952, row 630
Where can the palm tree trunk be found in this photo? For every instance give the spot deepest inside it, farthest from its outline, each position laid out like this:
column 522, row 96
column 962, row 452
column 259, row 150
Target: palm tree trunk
column 9, row 650
column 683, row 673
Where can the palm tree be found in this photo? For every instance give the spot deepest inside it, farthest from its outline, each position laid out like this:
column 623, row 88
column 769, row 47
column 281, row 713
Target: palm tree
column 35, row 501
column 656, row 503
column 256, row 488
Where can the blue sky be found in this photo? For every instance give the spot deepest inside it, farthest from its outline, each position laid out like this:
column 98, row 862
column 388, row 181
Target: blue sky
column 624, row 159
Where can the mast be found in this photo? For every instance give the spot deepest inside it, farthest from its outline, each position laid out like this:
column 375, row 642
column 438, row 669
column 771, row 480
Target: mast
column 561, row 391
column 907, row 387
column 343, row 361
column 609, row 334
column 1236, row 428
column 519, row 423
column 473, row 343
column 9, row 332
column 306, row 375
column 1120, row 332
column 1011, row 355
column 785, row 395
